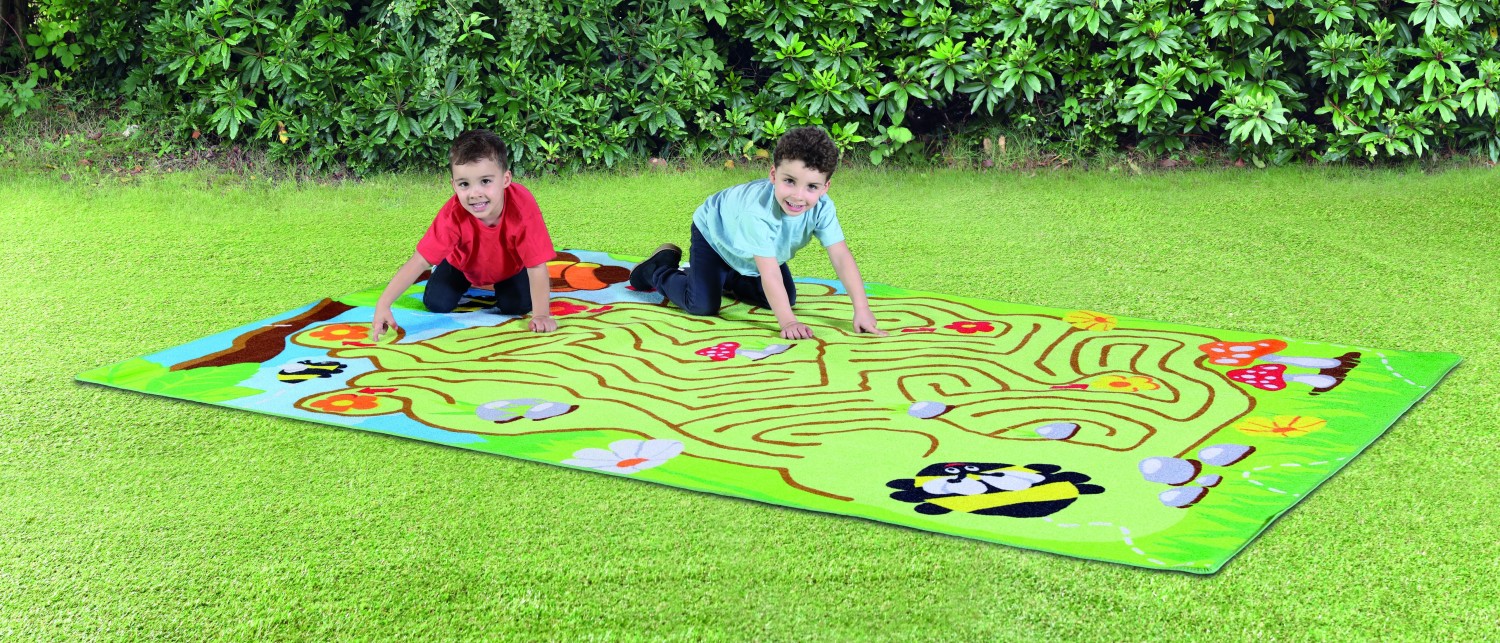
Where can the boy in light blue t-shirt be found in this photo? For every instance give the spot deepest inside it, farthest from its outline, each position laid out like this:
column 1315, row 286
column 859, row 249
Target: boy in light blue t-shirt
column 743, row 236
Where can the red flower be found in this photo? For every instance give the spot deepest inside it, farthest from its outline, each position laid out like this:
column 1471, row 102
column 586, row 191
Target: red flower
column 339, row 332
column 970, row 327
column 560, row 308
column 345, row 402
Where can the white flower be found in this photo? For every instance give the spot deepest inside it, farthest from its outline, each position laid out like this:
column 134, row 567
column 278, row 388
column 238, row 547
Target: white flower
column 627, row 456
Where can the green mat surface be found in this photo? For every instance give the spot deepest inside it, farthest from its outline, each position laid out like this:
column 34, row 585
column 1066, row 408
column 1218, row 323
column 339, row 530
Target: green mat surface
column 1070, row 431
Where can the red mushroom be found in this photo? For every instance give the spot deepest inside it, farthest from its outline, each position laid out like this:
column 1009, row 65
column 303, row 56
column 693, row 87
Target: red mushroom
column 720, row 352
column 1273, row 377
column 1242, row 353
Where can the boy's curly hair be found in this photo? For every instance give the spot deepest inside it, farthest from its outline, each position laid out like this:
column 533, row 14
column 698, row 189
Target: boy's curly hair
column 811, row 145
column 477, row 144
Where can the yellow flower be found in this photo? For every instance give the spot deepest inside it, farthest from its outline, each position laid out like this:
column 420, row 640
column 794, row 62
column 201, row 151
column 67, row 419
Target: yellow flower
column 1090, row 320
column 1125, row 384
column 1283, row 426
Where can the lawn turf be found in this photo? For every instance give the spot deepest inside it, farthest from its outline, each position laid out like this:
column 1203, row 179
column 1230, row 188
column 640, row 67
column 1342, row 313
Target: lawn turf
column 131, row 516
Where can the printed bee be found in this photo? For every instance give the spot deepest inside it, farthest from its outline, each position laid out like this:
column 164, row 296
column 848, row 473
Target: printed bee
column 993, row 489
column 308, row 370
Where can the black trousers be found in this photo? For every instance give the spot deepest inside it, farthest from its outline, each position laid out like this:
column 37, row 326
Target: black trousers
column 699, row 288
column 447, row 285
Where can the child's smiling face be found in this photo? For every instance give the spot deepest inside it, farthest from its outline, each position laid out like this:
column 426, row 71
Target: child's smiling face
column 480, row 187
column 798, row 187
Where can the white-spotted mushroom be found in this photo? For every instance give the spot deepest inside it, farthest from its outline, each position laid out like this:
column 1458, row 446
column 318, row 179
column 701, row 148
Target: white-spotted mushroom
column 1273, row 377
column 1265, row 350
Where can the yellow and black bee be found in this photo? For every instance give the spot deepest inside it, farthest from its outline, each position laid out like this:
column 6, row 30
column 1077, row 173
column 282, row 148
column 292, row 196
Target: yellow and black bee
column 308, row 370
column 993, row 489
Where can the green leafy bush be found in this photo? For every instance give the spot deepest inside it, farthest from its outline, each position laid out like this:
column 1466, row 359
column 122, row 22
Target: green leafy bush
column 594, row 83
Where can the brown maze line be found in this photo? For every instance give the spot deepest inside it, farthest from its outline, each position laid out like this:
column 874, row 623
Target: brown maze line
column 1074, row 360
column 784, row 473
column 777, row 408
column 638, row 347
column 664, row 422
column 932, row 439
column 760, row 435
column 967, row 346
column 599, row 379
column 528, row 357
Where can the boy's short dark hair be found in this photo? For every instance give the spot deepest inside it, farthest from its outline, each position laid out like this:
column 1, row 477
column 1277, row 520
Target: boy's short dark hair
column 811, row 145
column 477, row 144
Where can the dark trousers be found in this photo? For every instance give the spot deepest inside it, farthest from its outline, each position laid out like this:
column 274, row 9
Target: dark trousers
column 447, row 285
column 699, row 288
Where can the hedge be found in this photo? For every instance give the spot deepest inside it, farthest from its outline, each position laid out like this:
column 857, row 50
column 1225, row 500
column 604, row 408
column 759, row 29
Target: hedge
column 594, row 83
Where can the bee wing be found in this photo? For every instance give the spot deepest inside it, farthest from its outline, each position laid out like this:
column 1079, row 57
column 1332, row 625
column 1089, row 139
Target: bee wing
column 1012, row 480
column 946, row 487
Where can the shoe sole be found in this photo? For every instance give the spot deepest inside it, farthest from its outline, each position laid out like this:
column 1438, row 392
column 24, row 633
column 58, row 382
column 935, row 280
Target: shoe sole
column 639, row 273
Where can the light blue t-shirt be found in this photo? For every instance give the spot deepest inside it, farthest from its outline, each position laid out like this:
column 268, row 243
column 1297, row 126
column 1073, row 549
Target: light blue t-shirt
column 744, row 222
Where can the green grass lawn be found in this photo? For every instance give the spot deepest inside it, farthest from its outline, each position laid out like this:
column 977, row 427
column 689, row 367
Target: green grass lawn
column 124, row 515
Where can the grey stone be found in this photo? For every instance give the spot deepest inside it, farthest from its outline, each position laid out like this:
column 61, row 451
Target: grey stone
column 1057, row 430
column 927, row 410
column 1211, row 480
column 498, row 411
column 1182, row 496
column 549, row 410
column 1166, row 470
column 1223, row 455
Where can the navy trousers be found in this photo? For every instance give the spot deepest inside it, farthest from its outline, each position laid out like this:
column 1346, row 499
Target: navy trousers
column 447, row 285
column 699, row 288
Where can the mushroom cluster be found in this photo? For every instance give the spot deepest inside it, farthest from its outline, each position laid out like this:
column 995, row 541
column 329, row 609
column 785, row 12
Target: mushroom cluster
column 1178, row 472
column 729, row 350
column 1274, row 376
column 719, row 352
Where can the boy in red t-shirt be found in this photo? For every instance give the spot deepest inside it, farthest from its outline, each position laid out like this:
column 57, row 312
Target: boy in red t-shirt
column 490, row 232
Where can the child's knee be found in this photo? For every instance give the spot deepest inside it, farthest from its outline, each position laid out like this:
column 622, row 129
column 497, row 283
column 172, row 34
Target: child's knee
column 704, row 308
column 438, row 304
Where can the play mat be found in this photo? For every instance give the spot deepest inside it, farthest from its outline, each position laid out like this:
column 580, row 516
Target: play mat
column 1068, row 431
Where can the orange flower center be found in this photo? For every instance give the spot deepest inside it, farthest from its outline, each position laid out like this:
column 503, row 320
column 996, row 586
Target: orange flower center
column 342, row 402
column 1100, row 319
column 629, row 463
column 1120, row 384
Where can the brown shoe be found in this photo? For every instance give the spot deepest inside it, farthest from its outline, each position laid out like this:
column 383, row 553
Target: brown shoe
column 666, row 254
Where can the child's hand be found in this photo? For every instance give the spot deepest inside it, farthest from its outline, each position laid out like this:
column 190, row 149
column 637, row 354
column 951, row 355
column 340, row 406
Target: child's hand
column 796, row 330
column 384, row 320
column 543, row 324
column 865, row 323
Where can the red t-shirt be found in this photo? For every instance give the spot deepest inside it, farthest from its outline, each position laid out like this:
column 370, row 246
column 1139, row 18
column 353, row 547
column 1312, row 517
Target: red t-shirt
column 484, row 254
